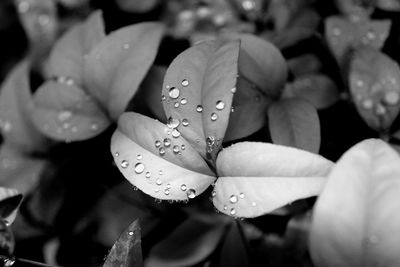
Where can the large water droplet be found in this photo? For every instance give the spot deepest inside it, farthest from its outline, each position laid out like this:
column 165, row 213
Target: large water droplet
column 233, row 199
column 173, row 92
column 214, row 116
column 191, row 193
column 185, row 83
column 220, row 105
column 183, row 187
column 139, row 156
column 172, row 123
column 124, row 164
column 175, row 133
column 199, row 108
column 167, row 142
column 253, row 204
column 139, row 168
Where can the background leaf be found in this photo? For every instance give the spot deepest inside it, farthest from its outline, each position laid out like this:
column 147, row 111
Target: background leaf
column 10, row 200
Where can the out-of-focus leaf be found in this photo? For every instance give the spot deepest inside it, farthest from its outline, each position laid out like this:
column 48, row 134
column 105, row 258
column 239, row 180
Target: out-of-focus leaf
column 10, row 200
column 198, row 90
column 136, row 6
column 117, row 65
column 344, row 36
column 67, row 57
column 67, row 113
column 275, row 176
column 294, row 122
column 356, row 217
column 127, row 250
column 356, row 9
column 234, row 252
column 304, row 65
column 190, row 243
column 375, row 87
column 317, row 89
column 388, row 5
column 7, row 242
column 151, row 87
column 16, row 106
column 149, row 158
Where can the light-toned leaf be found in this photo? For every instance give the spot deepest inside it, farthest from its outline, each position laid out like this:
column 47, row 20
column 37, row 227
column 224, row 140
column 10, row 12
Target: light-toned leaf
column 354, row 8
column 116, row 66
column 65, row 112
column 16, row 106
column 127, row 250
column 190, row 243
column 356, row 221
column 317, row 89
column 202, row 75
column 388, row 5
column 168, row 175
column 295, row 122
column 304, row 65
column 257, row 178
column 10, row 200
column 375, row 87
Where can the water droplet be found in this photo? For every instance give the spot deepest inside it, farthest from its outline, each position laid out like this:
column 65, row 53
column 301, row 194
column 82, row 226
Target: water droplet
column 175, row 133
column 185, row 122
column 168, row 186
column 147, row 174
column 64, row 115
column 126, row 46
column 367, row 104
column 6, row 126
column 213, row 193
column 167, row 142
column 166, row 191
column 161, row 151
column 130, row 233
column 43, row 20
column 233, row 90
column 175, row 149
column 23, row 6
column 66, row 125
column 185, row 83
column 199, row 108
column 248, row 5
column 184, row 101
column 359, row 83
column 241, row 195
column 173, row 92
column 232, row 109
column 160, row 172
column 157, row 143
column 183, row 187
column 183, row 147
column 139, row 168
column 116, row 154
column 214, row 116
column 232, row 211
column 191, row 193
column 380, row 109
column 233, row 199
column 139, row 156
column 336, row 31
column 176, row 105
column 225, row 207
column 253, row 204
column 163, row 98
column 172, row 123
column 157, row 190
column 392, row 98
column 94, row 127
column 371, row 35
column 220, row 105
column 74, row 129
column 158, row 181
column 124, row 164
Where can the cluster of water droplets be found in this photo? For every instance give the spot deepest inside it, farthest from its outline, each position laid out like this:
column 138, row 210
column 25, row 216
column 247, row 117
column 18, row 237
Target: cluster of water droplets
column 233, row 200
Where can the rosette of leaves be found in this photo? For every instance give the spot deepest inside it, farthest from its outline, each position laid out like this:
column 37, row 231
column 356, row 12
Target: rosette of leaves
column 181, row 159
column 92, row 77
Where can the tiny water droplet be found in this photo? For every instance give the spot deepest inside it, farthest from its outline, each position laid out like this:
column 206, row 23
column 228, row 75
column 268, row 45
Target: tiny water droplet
column 175, row 149
column 214, row 116
column 183, row 187
column 220, row 105
column 176, row 105
column 232, row 109
column 158, row 181
column 168, row 186
column 116, row 154
column 213, row 193
column 232, row 211
column 233, row 90
column 94, row 127
column 173, row 92
column 253, row 204
column 166, row 191
column 184, row 101
column 157, row 143
column 241, row 195
column 172, row 123
column 156, row 190
column 163, row 98
column 160, row 172
column 225, row 207
column 124, row 164
column 167, row 142
column 233, row 199
column 147, row 174
column 139, row 168
column 161, row 151
column 199, row 108
column 183, row 147
column 185, row 122
column 130, row 233
column 139, row 156
column 185, row 83
column 191, row 193
column 175, row 133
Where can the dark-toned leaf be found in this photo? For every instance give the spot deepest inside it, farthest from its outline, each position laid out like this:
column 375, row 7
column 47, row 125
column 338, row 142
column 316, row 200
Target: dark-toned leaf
column 234, row 252
column 10, row 200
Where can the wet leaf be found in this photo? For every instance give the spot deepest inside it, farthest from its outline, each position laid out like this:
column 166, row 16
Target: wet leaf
column 358, row 228
column 294, row 122
column 375, row 87
column 306, row 64
column 10, row 200
column 275, row 176
column 117, row 65
column 127, row 250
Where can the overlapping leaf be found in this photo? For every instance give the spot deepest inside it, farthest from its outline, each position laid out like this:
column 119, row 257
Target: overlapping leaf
column 359, row 227
column 10, row 200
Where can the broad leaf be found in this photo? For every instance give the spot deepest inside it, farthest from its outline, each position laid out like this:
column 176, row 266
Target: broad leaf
column 306, row 64
column 317, row 89
column 234, row 252
column 127, row 251
column 16, row 106
column 343, row 35
column 67, row 113
column 10, row 200
column 356, row 219
column 388, row 5
column 116, row 66
column 275, row 176
column 198, row 89
column 355, row 9
column 294, row 122
column 190, row 243
column 161, row 165
column 375, row 87
column 151, row 88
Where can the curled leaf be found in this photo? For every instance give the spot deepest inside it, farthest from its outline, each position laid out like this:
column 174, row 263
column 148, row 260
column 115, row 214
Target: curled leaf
column 294, row 122
column 356, row 216
column 10, row 200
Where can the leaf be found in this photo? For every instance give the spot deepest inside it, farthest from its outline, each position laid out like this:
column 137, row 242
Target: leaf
column 233, row 251
column 388, row 5
column 306, row 64
column 317, row 89
column 16, row 106
column 356, row 8
column 202, row 77
column 294, row 122
column 375, row 87
column 190, row 243
column 356, row 216
column 7, row 244
column 165, row 175
column 10, row 200
column 141, row 6
column 275, row 176
column 127, row 250
column 343, row 35
column 117, row 65
column 67, row 57
column 152, row 86
column 67, row 113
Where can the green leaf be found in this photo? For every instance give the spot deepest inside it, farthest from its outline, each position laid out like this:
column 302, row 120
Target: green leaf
column 317, row 89
column 16, row 106
column 67, row 113
column 343, row 36
column 67, row 57
column 178, row 175
column 190, row 243
column 10, row 200
column 294, row 122
column 375, row 87
column 275, row 176
column 127, row 250
column 355, row 221
column 201, row 77
column 117, row 65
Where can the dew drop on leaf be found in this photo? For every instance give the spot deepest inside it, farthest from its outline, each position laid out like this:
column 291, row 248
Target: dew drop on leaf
column 160, row 172
column 214, row 116
column 199, row 108
column 172, row 123
column 126, row 46
column 176, row 133
column 183, row 147
column 139, row 168
column 233, row 90
column 174, row 93
column 176, row 105
column 367, row 104
column 166, row 191
column 139, row 157
column 220, row 105
column 191, row 193
column 158, row 181
column 380, row 109
column 116, row 154
column 232, row 211
column 94, row 127
column 183, row 187
column 185, row 122
column 392, row 98
column 167, row 142
column 184, row 101
column 233, row 199
column 124, row 164
column 64, row 115
column 185, row 83
column 147, row 175
column 157, row 143
column 161, row 151
column 213, row 193
column 175, row 149
column 163, row 98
